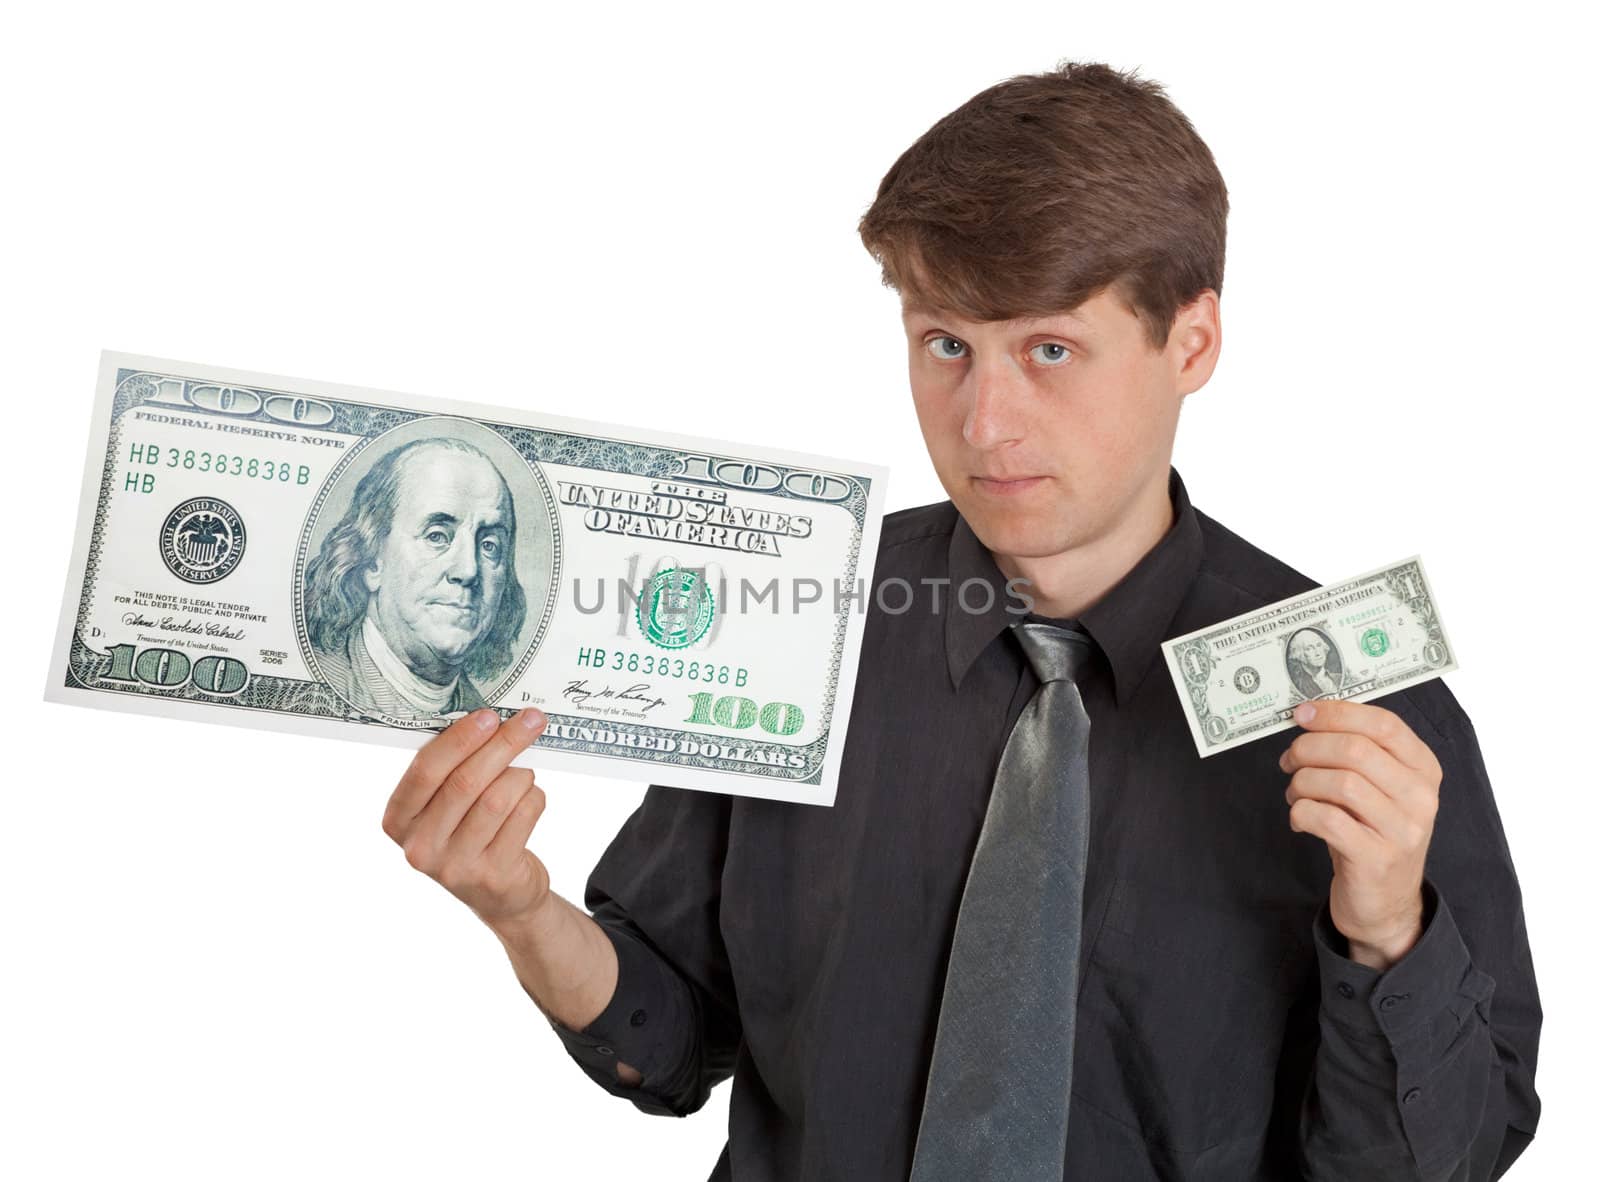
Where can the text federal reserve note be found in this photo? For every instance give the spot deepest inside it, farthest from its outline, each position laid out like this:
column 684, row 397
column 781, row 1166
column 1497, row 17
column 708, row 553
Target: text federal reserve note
column 300, row 556
column 1367, row 636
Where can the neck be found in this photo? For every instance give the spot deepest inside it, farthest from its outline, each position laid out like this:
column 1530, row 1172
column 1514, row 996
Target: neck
column 425, row 696
column 1067, row 584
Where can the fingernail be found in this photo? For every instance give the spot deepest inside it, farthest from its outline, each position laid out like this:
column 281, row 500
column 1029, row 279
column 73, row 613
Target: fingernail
column 531, row 718
column 485, row 719
column 1305, row 712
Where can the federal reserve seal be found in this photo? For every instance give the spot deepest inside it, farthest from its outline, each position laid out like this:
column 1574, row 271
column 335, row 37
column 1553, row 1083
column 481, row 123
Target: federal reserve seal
column 676, row 608
column 202, row 540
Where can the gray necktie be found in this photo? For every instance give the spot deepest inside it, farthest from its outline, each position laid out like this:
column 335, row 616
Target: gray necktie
column 1001, row 1079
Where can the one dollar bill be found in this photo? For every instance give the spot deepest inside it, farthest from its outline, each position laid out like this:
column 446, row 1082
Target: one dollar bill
column 1364, row 637
column 300, row 556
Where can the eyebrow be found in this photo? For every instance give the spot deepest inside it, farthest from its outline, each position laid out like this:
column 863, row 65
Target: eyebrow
column 1073, row 316
column 929, row 310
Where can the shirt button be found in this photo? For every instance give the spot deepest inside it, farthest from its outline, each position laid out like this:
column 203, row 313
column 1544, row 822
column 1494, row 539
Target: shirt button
column 1345, row 990
column 605, row 1050
column 1392, row 1000
column 1411, row 1096
column 638, row 1018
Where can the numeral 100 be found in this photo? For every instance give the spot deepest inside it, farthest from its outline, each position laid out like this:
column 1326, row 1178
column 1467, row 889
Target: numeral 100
column 234, row 400
column 736, row 713
column 815, row 486
column 167, row 668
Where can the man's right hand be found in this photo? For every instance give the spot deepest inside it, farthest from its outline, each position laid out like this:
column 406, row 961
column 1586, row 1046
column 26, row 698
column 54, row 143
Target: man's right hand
column 463, row 815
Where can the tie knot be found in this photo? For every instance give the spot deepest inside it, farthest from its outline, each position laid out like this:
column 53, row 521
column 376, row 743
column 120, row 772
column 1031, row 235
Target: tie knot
column 1056, row 654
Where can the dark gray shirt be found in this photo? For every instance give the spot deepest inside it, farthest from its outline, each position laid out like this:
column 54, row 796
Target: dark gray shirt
column 1222, row 1032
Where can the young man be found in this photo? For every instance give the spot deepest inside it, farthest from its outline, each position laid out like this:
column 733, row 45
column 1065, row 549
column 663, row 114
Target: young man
column 1293, row 959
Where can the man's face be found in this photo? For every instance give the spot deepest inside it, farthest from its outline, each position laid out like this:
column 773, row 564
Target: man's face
column 1313, row 653
column 1045, row 432
column 439, row 573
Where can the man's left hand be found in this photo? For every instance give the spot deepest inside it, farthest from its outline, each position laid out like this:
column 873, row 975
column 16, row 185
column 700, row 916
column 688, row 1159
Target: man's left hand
column 1364, row 782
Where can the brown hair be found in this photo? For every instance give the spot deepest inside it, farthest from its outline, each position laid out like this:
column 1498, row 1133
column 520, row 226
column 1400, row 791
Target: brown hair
column 1045, row 190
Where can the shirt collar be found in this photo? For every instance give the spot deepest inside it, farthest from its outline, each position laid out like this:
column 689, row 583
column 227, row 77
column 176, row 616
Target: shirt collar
column 421, row 694
column 1128, row 622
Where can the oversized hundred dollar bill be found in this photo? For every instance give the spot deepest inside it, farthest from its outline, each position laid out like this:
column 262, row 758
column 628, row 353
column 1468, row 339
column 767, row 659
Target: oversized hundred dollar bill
column 299, row 556
column 1367, row 636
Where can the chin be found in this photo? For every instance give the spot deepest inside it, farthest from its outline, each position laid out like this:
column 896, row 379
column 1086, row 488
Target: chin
column 1018, row 537
column 451, row 648
column 1026, row 517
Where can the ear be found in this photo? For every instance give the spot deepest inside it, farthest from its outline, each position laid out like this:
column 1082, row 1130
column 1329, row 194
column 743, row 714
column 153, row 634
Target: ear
column 372, row 575
column 1197, row 331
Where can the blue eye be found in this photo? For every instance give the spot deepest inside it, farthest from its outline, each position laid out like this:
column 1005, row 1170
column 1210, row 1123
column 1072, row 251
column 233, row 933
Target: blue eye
column 438, row 536
column 1049, row 354
column 490, row 547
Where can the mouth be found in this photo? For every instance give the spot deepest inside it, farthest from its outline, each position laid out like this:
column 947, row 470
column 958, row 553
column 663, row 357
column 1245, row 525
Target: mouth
column 1007, row 486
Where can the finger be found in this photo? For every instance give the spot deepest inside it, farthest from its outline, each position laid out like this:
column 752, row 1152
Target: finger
column 1383, row 726
column 1353, row 793
column 430, row 765
column 509, row 843
column 462, row 784
column 1356, row 753
column 1344, row 834
column 488, row 813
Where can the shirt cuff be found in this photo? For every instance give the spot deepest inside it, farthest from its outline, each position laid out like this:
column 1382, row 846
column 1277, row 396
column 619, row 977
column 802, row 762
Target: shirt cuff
column 1408, row 1018
column 635, row 1027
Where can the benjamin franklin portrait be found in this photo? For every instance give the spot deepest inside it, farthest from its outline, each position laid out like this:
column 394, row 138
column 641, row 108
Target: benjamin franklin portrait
column 412, row 601
column 1314, row 663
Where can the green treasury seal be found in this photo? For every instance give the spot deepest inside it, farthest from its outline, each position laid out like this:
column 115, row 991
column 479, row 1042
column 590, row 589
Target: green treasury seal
column 1374, row 642
column 676, row 608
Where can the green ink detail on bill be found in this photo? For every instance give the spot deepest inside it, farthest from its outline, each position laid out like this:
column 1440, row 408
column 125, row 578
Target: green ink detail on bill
column 676, row 608
column 1374, row 642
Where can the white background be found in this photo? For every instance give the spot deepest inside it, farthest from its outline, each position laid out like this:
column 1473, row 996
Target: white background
column 218, row 964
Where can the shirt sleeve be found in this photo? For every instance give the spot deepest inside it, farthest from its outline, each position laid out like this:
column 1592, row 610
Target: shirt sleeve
column 656, row 894
column 1424, row 1071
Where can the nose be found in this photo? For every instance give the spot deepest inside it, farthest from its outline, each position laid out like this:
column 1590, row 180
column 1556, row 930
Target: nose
column 994, row 416
column 461, row 563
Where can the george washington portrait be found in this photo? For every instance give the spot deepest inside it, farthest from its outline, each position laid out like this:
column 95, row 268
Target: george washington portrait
column 412, row 600
column 1314, row 663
